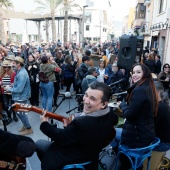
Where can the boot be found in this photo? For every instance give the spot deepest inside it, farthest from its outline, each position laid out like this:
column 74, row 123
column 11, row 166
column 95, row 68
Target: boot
column 26, row 132
column 22, row 129
column 15, row 117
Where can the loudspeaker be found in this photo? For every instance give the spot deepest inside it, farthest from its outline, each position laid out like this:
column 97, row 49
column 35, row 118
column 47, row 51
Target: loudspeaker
column 130, row 51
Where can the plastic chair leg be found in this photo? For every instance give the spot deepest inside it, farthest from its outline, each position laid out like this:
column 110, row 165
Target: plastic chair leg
column 148, row 164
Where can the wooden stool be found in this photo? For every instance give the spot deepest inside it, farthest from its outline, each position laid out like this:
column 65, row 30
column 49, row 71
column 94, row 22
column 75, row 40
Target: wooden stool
column 156, row 160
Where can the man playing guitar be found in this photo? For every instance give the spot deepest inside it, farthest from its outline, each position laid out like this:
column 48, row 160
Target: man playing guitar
column 83, row 138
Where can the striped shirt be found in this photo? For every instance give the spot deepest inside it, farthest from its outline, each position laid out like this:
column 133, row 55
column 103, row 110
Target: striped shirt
column 6, row 81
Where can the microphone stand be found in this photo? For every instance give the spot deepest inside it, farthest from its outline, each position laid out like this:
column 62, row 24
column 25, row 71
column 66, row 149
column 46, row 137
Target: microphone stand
column 74, row 108
column 56, row 107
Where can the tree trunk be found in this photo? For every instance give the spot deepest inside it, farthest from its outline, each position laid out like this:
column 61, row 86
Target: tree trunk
column 39, row 31
column 80, row 32
column 2, row 31
column 66, row 27
column 53, row 26
column 46, row 28
column 70, row 36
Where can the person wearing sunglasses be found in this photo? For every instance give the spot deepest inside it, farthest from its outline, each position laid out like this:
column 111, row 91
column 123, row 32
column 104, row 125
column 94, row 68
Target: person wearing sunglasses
column 164, row 77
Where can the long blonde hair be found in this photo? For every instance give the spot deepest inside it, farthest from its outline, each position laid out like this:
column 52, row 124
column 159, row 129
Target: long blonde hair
column 3, row 72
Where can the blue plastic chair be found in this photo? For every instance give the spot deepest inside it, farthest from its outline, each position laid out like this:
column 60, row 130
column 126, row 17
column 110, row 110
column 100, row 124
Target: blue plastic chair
column 76, row 166
column 137, row 155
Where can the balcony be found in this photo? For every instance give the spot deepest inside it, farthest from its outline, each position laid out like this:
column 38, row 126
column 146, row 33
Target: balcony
column 147, row 2
column 137, row 23
column 145, row 28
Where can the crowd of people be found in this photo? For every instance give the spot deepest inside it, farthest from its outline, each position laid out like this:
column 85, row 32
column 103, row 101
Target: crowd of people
column 69, row 65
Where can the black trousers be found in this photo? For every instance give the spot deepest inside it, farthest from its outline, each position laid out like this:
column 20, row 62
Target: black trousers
column 34, row 99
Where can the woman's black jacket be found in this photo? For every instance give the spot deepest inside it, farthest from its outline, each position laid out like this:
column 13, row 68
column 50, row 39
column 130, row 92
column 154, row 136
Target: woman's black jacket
column 138, row 129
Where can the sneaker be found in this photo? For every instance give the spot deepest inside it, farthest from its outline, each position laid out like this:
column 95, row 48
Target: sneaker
column 22, row 129
column 26, row 132
column 15, row 119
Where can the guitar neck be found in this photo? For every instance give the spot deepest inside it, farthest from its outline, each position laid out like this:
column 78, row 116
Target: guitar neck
column 48, row 114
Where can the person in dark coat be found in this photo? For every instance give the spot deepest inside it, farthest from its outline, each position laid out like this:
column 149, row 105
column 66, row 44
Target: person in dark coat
column 68, row 69
column 164, row 77
column 15, row 145
column 83, row 138
column 92, row 74
column 32, row 68
column 82, row 72
column 150, row 62
column 139, row 110
column 115, row 76
column 162, row 119
column 158, row 64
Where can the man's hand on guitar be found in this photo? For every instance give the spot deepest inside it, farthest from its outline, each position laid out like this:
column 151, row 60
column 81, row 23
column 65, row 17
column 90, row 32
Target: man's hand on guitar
column 43, row 117
column 67, row 121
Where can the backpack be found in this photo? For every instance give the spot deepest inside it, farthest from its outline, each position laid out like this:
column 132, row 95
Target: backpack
column 43, row 77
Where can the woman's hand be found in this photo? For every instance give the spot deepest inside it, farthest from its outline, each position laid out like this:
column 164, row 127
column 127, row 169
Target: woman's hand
column 34, row 66
column 167, row 79
column 29, row 68
column 118, row 103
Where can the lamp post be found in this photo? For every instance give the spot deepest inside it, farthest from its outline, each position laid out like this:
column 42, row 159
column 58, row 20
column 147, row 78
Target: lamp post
column 83, row 20
column 100, row 31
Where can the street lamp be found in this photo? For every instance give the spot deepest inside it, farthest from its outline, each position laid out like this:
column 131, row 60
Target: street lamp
column 83, row 20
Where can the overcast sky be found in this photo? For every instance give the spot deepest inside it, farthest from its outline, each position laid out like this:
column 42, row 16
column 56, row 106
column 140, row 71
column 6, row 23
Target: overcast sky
column 120, row 7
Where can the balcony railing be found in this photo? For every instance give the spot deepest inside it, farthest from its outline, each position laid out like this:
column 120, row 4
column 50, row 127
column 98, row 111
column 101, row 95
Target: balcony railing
column 145, row 28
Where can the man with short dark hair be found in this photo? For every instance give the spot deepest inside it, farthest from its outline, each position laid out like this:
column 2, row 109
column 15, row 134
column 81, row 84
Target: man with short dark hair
column 83, row 138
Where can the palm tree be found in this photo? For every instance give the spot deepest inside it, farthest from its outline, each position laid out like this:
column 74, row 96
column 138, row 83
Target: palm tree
column 49, row 6
column 4, row 4
column 68, row 4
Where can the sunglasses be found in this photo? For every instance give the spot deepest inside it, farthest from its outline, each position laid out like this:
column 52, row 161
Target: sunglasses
column 7, row 67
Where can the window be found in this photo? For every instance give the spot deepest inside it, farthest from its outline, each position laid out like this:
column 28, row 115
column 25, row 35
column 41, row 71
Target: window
column 162, row 6
column 87, row 27
column 140, row 11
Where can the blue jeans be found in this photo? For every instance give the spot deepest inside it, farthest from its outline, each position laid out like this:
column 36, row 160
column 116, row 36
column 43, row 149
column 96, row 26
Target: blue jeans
column 118, row 133
column 23, row 116
column 47, row 95
column 41, row 147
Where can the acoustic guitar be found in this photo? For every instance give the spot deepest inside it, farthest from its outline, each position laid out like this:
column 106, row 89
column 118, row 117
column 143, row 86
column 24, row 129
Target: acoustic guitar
column 12, row 162
column 27, row 108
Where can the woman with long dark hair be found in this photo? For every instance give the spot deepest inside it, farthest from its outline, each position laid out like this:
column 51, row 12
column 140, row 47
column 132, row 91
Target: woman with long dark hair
column 33, row 68
column 139, row 110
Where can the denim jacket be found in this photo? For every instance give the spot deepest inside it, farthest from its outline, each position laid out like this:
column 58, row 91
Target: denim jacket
column 21, row 88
